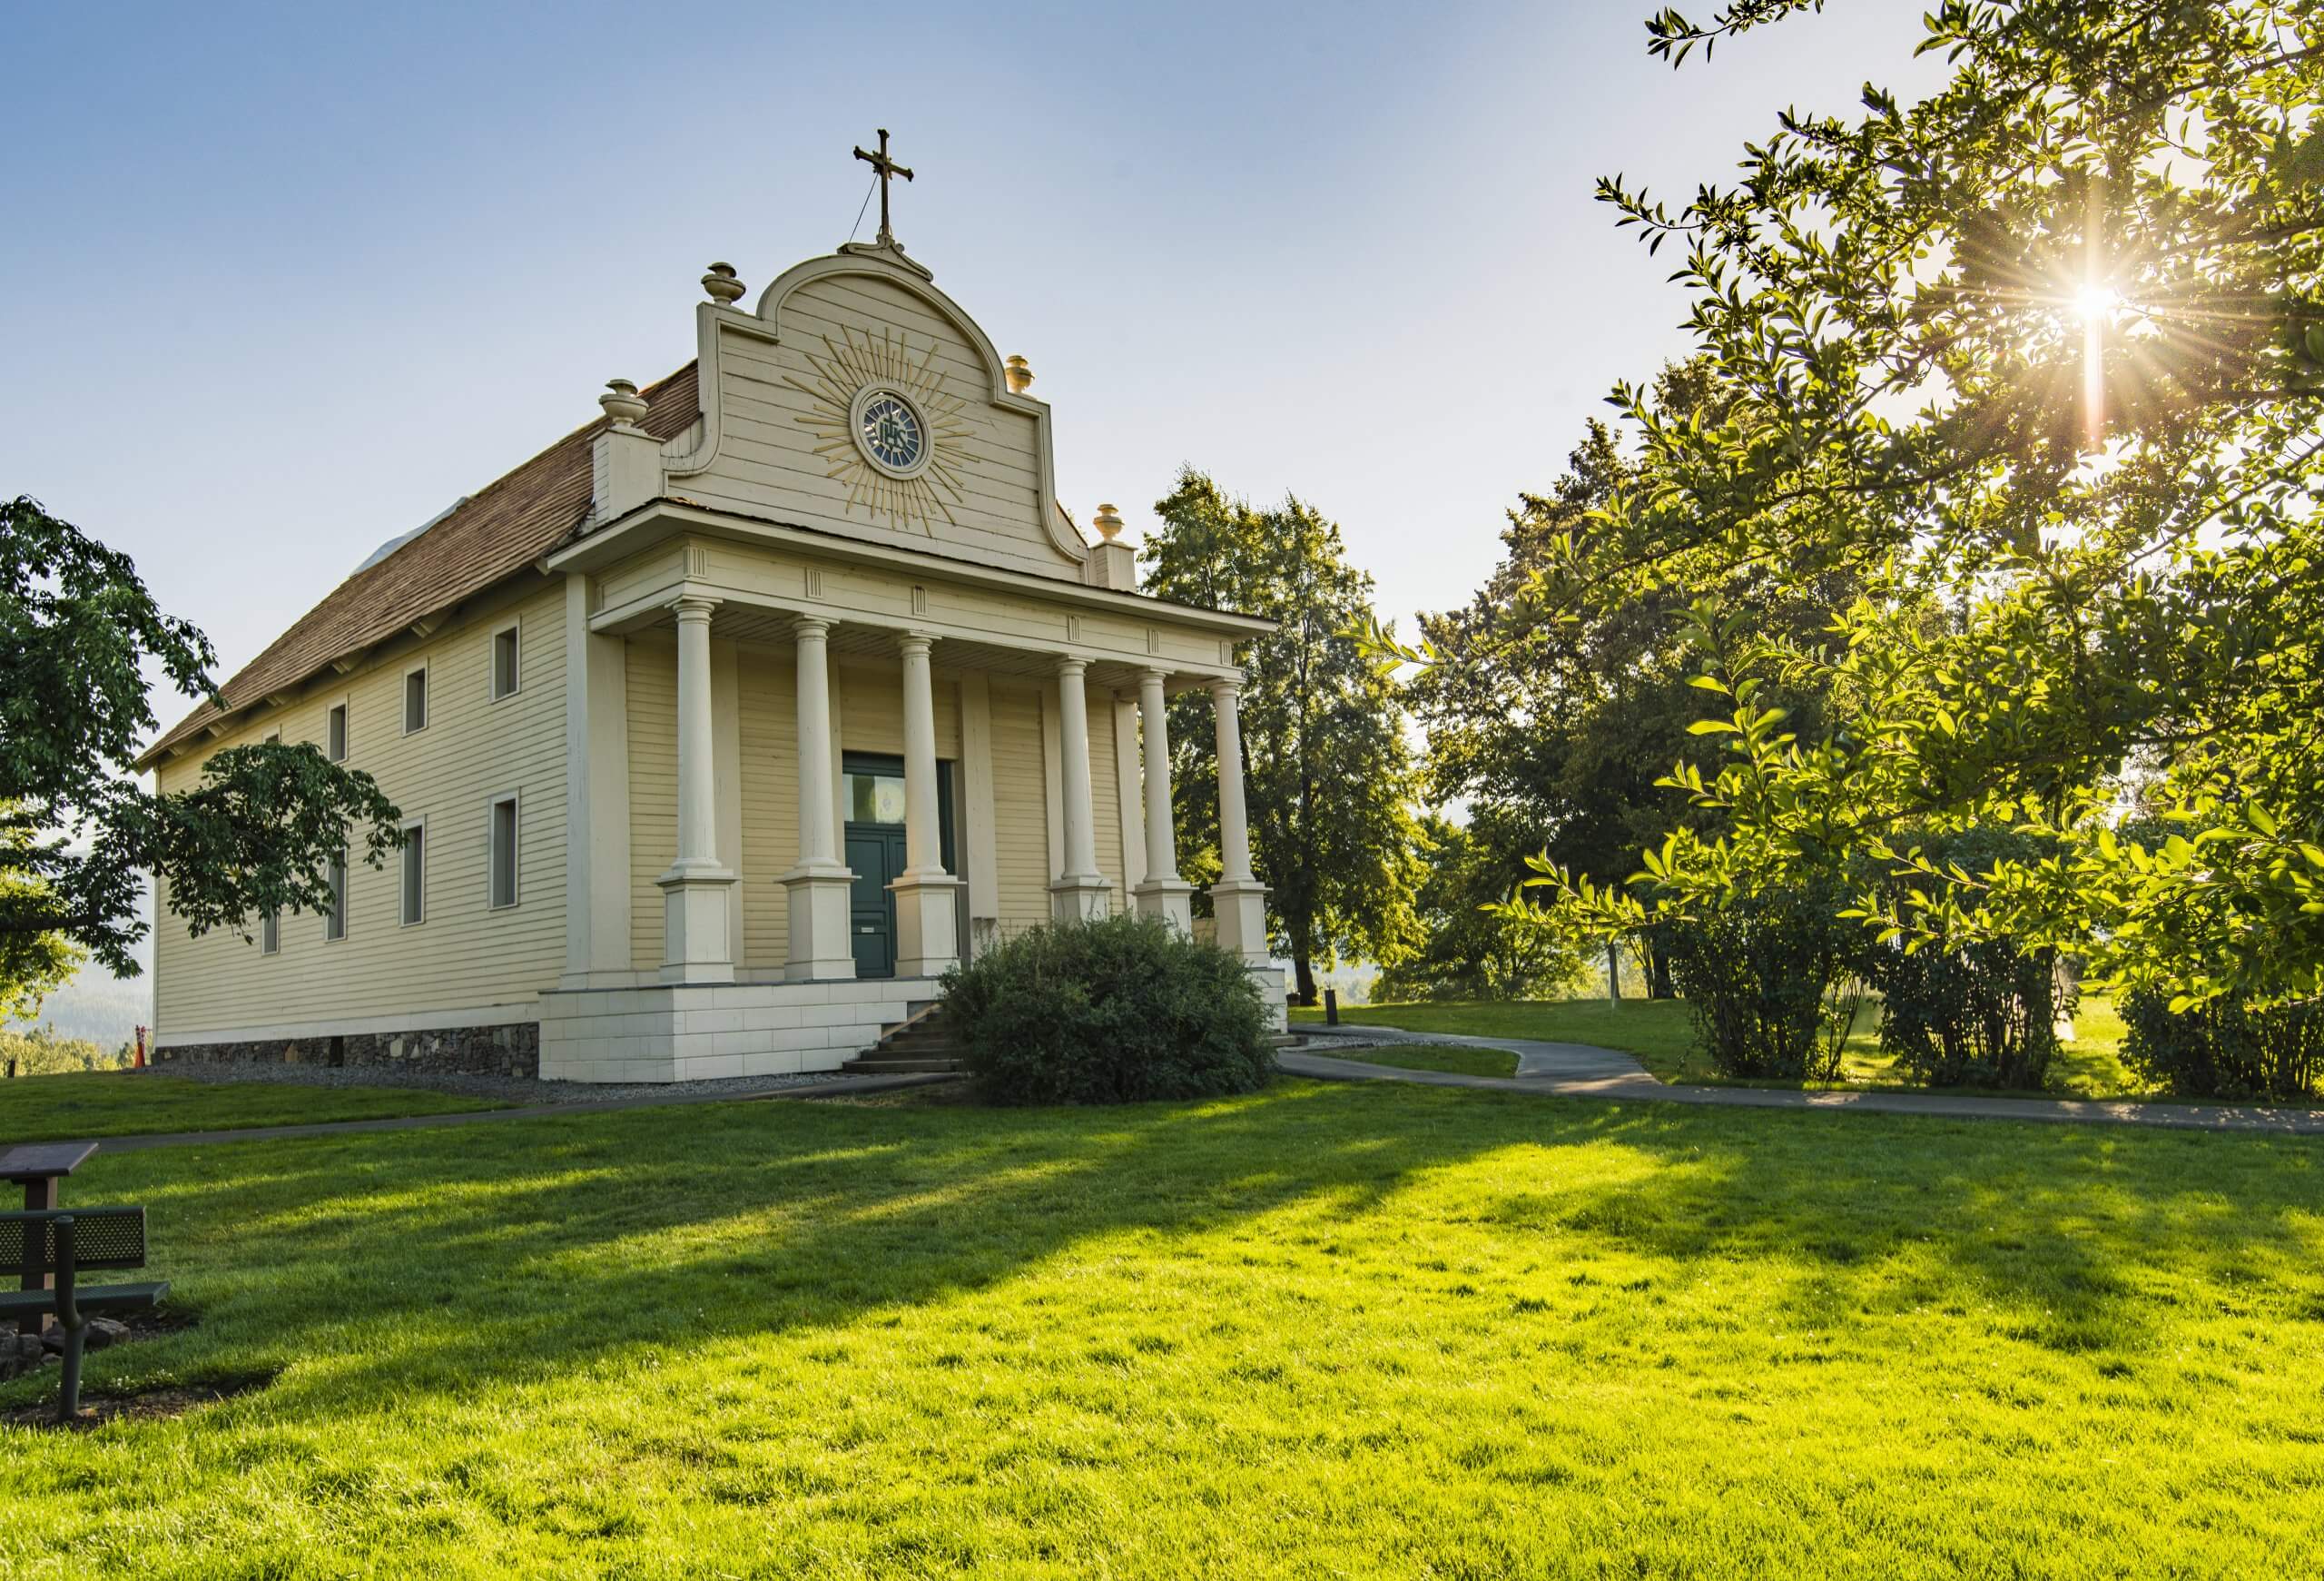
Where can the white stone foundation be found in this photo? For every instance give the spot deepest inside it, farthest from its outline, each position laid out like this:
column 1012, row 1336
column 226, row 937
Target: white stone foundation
column 1270, row 989
column 684, row 1031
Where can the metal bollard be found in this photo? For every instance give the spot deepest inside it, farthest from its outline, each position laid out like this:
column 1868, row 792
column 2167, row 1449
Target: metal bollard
column 1331, row 1007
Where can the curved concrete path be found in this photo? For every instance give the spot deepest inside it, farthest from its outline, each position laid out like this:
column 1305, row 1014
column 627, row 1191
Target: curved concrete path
column 1581, row 1071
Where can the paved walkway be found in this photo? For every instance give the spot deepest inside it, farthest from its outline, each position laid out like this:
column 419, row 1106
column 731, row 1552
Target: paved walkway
column 1580, row 1070
column 1552, row 1069
column 845, row 1086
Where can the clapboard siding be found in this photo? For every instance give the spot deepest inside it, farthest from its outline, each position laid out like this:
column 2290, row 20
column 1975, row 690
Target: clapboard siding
column 652, row 672
column 1019, row 813
column 769, row 689
column 1104, row 792
column 464, row 955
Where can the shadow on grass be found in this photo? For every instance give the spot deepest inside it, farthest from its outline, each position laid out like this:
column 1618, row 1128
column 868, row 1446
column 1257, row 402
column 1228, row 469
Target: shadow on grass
column 371, row 1266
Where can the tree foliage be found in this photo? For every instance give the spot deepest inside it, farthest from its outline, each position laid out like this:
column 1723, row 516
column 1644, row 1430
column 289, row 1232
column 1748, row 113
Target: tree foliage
column 77, row 834
column 1464, row 946
column 1327, row 774
column 1558, row 728
column 2039, row 360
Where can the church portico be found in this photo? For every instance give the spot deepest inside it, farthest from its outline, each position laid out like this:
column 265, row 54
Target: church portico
column 821, row 691
column 893, row 675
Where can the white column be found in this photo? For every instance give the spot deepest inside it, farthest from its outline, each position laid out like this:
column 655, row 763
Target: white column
column 927, row 933
column 695, row 944
column 818, row 884
column 1162, row 893
column 1080, row 891
column 1238, row 898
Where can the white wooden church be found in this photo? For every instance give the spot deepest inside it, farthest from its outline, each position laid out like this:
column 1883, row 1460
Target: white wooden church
column 726, row 723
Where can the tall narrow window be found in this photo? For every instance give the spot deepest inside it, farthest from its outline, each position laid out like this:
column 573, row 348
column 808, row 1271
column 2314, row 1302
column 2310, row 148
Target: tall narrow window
column 415, row 700
column 504, row 663
column 335, row 733
column 504, row 851
column 335, row 919
column 415, row 874
column 269, row 934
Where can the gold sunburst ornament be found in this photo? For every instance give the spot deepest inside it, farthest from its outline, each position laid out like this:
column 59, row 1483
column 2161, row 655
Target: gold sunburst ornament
column 888, row 430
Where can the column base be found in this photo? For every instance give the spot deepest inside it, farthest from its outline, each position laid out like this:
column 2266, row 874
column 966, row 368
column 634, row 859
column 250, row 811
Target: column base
column 1241, row 906
column 1171, row 899
column 1079, row 897
column 696, row 942
column 928, row 930
column 820, row 947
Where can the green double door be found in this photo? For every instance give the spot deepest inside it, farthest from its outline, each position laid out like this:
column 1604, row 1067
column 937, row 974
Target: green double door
column 872, row 790
column 877, row 854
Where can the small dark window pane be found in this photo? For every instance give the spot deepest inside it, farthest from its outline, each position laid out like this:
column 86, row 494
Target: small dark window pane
column 504, row 662
column 269, row 932
column 415, row 701
column 335, row 733
column 335, row 920
column 504, row 851
column 415, row 874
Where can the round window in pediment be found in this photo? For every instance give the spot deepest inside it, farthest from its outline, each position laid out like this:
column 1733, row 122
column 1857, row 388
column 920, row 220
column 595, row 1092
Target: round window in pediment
column 890, row 434
column 890, row 431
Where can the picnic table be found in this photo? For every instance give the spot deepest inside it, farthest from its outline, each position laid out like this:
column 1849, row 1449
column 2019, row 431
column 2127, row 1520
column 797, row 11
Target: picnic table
column 37, row 1167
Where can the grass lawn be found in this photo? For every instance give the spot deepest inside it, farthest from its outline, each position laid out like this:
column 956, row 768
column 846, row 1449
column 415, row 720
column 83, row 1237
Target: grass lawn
column 1662, row 1034
column 122, row 1102
column 1460, row 1060
column 1334, row 1329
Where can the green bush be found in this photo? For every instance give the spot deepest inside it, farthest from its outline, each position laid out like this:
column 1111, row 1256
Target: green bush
column 2225, row 1049
column 1116, row 1010
column 1773, row 980
column 1980, row 1014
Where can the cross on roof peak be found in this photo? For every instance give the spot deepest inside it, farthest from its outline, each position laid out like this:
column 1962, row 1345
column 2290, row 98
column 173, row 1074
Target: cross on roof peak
column 886, row 168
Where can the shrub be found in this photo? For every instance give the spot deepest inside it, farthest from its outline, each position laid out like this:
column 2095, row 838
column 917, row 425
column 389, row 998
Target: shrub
column 1983, row 1014
column 1773, row 980
column 1116, row 1010
column 2225, row 1049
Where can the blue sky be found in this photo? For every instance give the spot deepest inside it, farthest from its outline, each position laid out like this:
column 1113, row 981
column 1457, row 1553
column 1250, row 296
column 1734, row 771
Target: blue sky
column 281, row 283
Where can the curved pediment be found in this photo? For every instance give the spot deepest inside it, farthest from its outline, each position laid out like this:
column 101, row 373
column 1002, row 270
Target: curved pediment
column 859, row 399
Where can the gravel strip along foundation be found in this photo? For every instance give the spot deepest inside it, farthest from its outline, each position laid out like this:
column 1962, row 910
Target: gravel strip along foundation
column 502, row 1089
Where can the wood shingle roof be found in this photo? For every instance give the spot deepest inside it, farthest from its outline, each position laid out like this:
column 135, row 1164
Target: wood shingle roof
column 496, row 532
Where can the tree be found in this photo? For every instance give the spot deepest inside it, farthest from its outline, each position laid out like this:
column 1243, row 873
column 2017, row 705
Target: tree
column 76, row 831
column 1558, row 727
column 1463, row 948
column 2041, row 360
column 1327, row 774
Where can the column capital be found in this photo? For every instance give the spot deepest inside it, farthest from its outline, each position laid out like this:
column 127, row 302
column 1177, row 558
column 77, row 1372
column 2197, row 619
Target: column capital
column 911, row 643
column 1068, row 665
column 693, row 606
column 1227, row 687
column 1154, row 673
column 803, row 625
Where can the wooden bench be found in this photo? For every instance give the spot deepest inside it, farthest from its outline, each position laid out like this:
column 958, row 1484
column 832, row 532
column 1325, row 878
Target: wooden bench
column 63, row 1242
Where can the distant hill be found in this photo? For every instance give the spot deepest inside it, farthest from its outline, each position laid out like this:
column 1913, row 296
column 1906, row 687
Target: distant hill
column 97, row 1005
